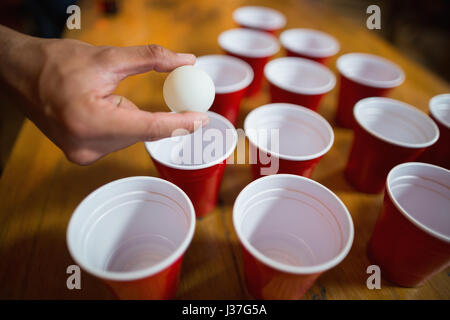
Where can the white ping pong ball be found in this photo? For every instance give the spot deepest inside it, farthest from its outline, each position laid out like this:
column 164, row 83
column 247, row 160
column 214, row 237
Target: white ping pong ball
column 188, row 88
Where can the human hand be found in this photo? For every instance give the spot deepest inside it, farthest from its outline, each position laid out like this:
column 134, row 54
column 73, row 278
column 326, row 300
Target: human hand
column 69, row 88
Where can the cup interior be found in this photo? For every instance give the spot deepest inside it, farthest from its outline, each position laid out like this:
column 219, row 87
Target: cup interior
column 249, row 43
column 203, row 148
column 228, row 73
column 259, row 17
column 131, row 228
column 300, row 75
column 309, row 42
column 422, row 193
column 370, row 70
column 302, row 133
column 440, row 109
column 293, row 224
column 396, row 122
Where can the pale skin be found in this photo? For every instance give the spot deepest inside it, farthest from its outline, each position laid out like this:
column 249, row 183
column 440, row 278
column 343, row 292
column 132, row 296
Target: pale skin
column 66, row 88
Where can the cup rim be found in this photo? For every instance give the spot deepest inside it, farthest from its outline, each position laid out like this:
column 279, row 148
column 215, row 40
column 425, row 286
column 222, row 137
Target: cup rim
column 383, row 84
column 414, row 221
column 434, row 103
column 211, row 114
column 295, row 89
column 362, row 103
column 269, row 51
column 289, row 268
column 221, row 58
column 240, row 17
column 142, row 273
column 298, row 109
column 332, row 48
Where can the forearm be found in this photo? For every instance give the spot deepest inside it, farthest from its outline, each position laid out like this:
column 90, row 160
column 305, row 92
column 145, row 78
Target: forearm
column 19, row 63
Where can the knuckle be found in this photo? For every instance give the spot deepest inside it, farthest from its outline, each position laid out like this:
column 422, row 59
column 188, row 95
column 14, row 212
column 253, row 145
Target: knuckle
column 192, row 125
column 156, row 50
column 77, row 122
column 75, row 128
column 152, row 131
column 106, row 54
column 81, row 156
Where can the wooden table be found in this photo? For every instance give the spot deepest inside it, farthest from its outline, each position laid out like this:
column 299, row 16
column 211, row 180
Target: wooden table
column 40, row 189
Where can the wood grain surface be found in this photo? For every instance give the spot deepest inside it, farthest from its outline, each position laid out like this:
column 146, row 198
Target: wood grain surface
column 40, row 189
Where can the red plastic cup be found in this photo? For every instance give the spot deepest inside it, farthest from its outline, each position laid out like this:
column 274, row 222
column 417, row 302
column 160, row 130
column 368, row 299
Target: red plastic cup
column 439, row 153
column 254, row 47
column 291, row 230
column 259, row 18
column 411, row 239
column 388, row 132
column 361, row 76
column 196, row 162
column 231, row 78
column 309, row 44
column 132, row 233
column 298, row 81
column 286, row 138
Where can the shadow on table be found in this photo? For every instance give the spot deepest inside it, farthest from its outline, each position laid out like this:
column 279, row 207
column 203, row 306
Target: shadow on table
column 210, row 270
column 351, row 272
column 335, row 181
column 35, row 268
column 236, row 178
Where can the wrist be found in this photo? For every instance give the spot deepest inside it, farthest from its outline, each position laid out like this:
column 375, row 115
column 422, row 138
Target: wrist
column 21, row 58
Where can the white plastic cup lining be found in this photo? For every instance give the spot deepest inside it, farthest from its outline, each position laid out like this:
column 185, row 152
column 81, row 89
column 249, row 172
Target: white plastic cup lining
column 131, row 228
column 301, row 76
column 229, row 74
column 303, row 133
column 440, row 109
column 293, row 224
column 421, row 192
column 249, row 43
column 370, row 70
column 259, row 18
column 309, row 42
column 396, row 122
column 201, row 149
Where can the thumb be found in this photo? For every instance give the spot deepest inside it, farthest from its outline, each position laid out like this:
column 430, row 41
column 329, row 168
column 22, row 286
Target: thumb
column 126, row 61
column 139, row 125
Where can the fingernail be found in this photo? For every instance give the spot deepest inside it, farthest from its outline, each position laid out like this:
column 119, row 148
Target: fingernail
column 187, row 56
column 118, row 100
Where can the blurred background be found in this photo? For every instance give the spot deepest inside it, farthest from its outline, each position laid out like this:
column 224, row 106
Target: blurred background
column 418, row 29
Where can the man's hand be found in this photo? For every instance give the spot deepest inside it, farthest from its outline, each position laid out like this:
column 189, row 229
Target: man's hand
column 68, row 88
